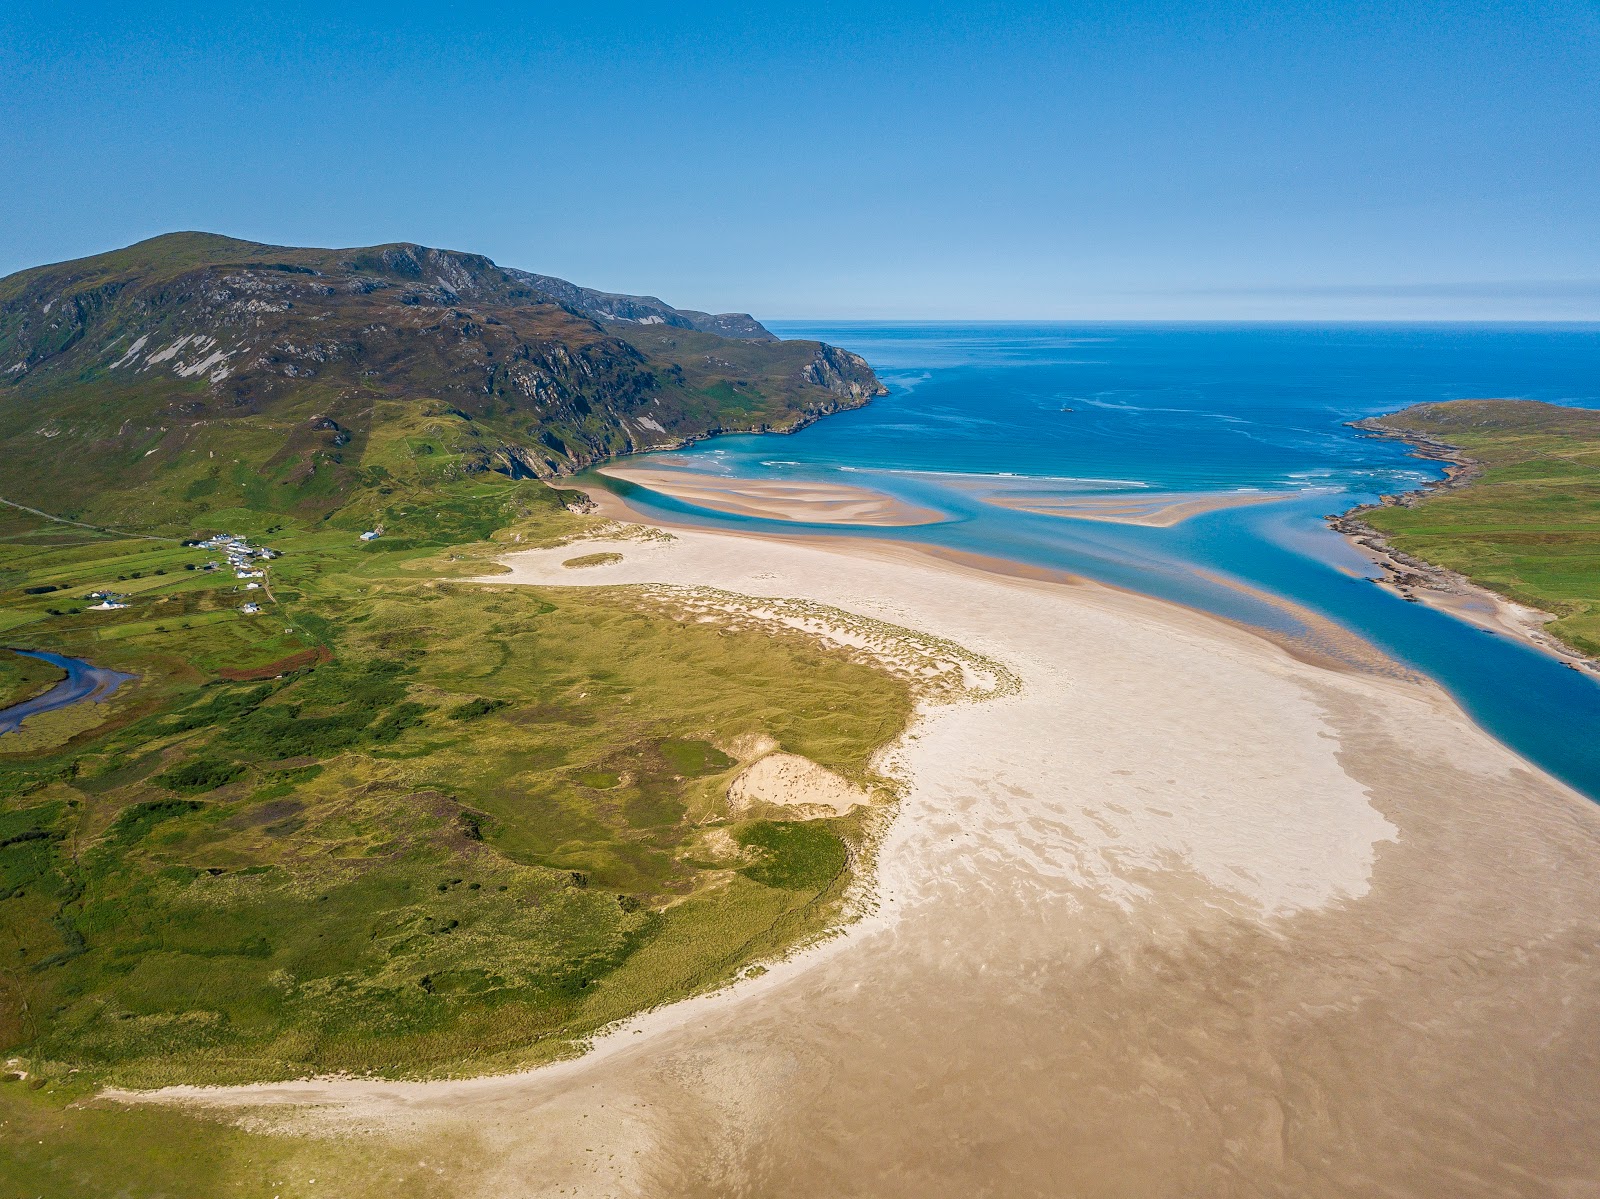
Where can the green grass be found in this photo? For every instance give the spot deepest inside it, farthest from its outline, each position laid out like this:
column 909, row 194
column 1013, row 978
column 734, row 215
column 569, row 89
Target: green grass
column 395, row 823
column 794, row 857
column 48, row 1148
column 466, row 837
column 22, row 677
column 1529, row 527
column 584, row 560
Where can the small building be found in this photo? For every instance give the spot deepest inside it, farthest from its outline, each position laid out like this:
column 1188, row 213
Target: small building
column 371, row 535
column 251, row 609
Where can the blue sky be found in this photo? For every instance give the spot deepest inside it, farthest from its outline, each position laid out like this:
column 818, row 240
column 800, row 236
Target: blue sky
column 1404, row 160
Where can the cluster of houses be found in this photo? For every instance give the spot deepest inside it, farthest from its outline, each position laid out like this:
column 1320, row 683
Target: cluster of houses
column 243, row 559
column 241, row 555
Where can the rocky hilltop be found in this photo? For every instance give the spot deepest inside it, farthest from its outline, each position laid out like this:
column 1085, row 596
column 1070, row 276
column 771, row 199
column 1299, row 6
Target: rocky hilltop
column 171, row 362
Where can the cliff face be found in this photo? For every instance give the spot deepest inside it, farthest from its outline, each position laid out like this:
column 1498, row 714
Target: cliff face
column 117, row 367
column 643, row 310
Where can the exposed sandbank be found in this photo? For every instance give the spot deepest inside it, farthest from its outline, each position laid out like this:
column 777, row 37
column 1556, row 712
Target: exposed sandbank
column 1182, row 915
column 777, row 499
column 1159, row 510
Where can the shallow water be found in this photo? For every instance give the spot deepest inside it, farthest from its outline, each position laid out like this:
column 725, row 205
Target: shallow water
column 1119, row 409
column 84, row 681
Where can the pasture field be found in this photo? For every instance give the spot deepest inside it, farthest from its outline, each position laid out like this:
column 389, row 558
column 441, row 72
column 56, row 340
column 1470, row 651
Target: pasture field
column 1528, row 526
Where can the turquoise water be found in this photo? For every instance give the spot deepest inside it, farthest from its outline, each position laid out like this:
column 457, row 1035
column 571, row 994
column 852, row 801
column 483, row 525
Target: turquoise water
column 1113, row 410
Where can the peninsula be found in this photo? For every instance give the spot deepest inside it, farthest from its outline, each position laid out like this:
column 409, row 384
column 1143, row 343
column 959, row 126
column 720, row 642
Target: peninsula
column 1510, row 538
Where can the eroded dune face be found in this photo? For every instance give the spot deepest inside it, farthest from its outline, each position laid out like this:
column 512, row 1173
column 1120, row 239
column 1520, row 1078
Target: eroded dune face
column 1180, row 915
column 798, row 784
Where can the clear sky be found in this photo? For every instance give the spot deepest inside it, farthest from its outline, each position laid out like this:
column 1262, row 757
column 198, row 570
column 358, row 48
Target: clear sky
column 1229, row 159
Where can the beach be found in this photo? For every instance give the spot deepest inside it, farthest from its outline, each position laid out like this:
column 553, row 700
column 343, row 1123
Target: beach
column 1181, row 913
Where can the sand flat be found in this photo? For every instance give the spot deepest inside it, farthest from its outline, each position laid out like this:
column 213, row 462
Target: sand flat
column 1183, row 915
column 777, row 499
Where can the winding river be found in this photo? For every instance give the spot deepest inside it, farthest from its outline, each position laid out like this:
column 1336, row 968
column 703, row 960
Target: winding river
column 84, row 681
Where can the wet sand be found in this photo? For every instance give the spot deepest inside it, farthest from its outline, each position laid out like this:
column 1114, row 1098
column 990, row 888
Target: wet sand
column 1184, row 915
column 773, row 499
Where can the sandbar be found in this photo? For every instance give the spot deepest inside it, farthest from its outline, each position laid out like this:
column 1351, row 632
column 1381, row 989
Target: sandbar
column 778, row 499
column 1155, row 509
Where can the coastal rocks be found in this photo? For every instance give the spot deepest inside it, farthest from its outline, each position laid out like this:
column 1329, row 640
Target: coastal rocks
column 1418, row 581
column 843, row 373
column 1459, row 470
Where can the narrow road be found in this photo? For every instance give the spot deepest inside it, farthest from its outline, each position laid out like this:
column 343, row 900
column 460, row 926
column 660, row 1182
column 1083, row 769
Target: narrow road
column 62, row 520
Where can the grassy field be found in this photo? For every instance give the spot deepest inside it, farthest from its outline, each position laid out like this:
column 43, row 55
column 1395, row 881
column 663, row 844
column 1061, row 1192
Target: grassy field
column 22, row 677
column 50, row 1148
column 395, row 823
column 1529, row 526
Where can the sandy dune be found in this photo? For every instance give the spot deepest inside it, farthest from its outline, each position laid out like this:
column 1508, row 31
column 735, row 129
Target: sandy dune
column 774, row 499
column 1184, row 915
column 790, row 781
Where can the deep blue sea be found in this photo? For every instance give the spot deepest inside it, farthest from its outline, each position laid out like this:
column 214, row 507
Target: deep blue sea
column 1116, row 409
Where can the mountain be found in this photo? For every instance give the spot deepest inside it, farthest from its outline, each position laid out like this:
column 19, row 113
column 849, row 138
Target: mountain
column 193, row 372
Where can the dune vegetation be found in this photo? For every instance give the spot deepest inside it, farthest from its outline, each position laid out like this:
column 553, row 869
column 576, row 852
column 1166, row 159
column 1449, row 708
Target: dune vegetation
column 395, row 822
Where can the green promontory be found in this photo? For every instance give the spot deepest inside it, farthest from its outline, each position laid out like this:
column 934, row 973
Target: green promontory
column 1520, row 513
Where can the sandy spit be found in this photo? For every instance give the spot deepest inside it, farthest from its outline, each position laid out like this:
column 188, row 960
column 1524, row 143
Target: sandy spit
column 777, row 499
column 1182, row 915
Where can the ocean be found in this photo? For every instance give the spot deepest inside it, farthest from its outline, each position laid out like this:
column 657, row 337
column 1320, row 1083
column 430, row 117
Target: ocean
column 1109, row 411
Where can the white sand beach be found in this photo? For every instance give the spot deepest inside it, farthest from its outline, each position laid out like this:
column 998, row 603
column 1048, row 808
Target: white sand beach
column 1184, row 914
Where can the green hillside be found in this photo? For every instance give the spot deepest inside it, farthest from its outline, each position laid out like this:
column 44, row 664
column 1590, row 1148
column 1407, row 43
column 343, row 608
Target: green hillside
column 353, row 814
column 152, row 385
column 1528, row 524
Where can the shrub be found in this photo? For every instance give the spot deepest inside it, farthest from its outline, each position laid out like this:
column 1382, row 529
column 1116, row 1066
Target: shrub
column 199, row 774
column 134, row 822
column 476, row 707
column 796, row 855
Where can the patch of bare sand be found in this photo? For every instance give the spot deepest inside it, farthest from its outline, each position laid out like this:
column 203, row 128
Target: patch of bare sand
column 791, row 781
column 775, row 499
column 1181, row 915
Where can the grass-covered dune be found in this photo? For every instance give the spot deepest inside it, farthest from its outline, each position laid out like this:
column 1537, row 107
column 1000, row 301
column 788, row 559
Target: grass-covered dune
column 1525, row 520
